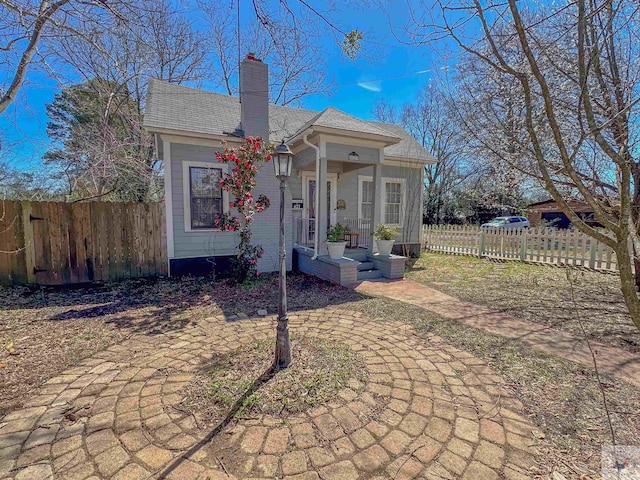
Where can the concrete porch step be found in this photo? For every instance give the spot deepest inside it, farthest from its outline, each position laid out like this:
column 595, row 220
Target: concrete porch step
column 369, row 274
column 366, row 266
column 359, row 254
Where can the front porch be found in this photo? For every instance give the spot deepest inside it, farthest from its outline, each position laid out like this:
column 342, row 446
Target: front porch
column 356, row 265
column 341, row 175
column 359, row 234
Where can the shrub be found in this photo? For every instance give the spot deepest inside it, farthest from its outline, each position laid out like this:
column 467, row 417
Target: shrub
column 336, row 233
column 384, row 232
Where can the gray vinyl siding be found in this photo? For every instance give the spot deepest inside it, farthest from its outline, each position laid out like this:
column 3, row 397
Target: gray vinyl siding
column 348, row 186
column 294, row 185
column 215, row 243
column 305, row 157
column 194, row 244
column 338, row 151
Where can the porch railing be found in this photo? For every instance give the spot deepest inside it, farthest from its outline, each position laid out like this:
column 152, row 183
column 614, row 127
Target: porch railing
column 304, row 232
column 361, row 226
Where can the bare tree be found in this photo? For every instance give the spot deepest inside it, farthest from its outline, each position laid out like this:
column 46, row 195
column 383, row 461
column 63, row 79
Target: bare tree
column 433, row 124
column 26, row 185
column 116, row 65
column 27, row 28
column 573, row 71
column 294, row 59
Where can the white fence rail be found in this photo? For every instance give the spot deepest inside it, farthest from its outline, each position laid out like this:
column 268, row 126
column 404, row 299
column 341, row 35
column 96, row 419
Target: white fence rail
column 538, row 245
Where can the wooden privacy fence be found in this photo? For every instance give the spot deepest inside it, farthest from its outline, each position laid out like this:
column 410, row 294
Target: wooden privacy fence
column 57, row 243
column 538, row 245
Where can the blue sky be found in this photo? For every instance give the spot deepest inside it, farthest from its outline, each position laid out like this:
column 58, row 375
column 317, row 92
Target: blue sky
column 358, row 84
column 390, row 59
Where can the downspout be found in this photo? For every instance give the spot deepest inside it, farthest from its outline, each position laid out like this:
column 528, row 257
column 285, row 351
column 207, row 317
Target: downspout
column 317, row 208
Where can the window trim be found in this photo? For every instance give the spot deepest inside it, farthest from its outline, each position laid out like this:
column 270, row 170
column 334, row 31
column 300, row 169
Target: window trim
column 186, row 193
column 333, row 177
column 383, row 196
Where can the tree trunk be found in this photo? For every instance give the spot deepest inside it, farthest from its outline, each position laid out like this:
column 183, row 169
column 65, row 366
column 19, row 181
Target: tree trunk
column 628, row 284
column 636, row 265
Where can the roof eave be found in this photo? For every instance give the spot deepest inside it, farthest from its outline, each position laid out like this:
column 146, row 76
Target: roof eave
column 190, row 133
column 386, row 139
column 420, row 161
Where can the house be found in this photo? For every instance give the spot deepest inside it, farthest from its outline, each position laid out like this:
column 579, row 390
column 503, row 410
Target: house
column 369, row 172
column 547, row 212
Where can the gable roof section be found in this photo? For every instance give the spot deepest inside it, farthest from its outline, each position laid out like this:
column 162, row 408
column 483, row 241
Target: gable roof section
column 337, row 120
column 175, row 107
column 408, row 147
column 178, row 108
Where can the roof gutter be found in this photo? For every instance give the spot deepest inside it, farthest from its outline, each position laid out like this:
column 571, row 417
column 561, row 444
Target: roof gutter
column 317, row 207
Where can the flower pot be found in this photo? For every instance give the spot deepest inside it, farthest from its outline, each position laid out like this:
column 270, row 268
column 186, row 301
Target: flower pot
column 336, row 250
column 385, row 246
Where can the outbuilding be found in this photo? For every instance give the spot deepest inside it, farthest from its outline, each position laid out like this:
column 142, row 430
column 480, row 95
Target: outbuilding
column 549, row 213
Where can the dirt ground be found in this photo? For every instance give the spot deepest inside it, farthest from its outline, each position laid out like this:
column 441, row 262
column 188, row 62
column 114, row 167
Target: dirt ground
column 561, row 397
column 51, row 329
column 537, row 293
column 45, row 330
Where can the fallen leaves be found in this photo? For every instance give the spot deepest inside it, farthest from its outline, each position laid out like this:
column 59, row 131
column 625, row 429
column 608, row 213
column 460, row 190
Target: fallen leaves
column 11, row 349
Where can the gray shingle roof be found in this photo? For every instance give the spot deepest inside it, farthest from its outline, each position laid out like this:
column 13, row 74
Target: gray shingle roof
column 182, row 108
column 408, row 147
column 332, row 118
column 175, row 107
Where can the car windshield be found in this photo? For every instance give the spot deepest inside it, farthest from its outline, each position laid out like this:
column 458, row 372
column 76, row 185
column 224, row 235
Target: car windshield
column 499, row 221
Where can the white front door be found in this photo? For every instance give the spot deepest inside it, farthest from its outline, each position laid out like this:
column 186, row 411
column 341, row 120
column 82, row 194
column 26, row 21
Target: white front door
column 309, row 192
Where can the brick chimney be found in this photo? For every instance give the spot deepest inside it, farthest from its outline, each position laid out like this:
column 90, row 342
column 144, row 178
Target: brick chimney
column 254, row 97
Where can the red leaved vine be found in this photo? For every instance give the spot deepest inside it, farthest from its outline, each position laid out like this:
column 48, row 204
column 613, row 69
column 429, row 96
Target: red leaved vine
column 240, row 182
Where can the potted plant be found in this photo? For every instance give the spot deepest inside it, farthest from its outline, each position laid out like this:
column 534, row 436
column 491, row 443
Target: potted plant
column 336, row 242
column 385, row 238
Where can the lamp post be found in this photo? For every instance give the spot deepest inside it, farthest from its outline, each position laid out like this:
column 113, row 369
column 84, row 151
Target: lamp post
column 282, row 161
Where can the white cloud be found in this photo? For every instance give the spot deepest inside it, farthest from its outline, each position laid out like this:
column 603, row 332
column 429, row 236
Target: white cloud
column 372, row 86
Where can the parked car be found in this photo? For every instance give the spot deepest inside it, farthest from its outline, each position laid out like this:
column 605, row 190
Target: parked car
column 510, row 223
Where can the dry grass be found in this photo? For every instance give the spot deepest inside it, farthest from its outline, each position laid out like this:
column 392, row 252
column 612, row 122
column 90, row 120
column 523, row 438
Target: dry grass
column 537, row 293
column 52, row 328
column 559, row 396
column 244, row 379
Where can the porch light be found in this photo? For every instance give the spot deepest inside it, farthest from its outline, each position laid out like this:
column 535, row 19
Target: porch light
column 282, row 161
column 353, row 157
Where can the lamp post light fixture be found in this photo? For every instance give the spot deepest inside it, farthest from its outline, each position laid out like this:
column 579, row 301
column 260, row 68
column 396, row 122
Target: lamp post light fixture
column 282, row 161
column 354, row 157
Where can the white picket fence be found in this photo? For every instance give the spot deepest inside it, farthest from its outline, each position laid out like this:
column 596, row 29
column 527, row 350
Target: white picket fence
column 538, row 245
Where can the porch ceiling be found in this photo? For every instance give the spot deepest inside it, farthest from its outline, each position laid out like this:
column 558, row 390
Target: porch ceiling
column 340, row 166
column 333, row 166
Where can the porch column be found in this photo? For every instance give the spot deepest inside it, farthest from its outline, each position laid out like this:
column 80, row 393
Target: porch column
column 321, row 192
column 378, row 205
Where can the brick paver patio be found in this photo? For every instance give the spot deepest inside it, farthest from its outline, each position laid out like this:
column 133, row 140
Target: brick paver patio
column 427, row 410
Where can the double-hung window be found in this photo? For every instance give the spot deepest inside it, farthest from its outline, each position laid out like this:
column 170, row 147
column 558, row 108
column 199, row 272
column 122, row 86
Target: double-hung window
column 204, row 200
column 366, row 203
column 205, row 196
column 392, row 200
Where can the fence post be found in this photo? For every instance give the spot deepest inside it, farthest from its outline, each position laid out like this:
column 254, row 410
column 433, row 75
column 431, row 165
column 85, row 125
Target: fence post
column 523, row 245
column 425, row 236
column 29, row 247
column 481, row 243
column 592, row 253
